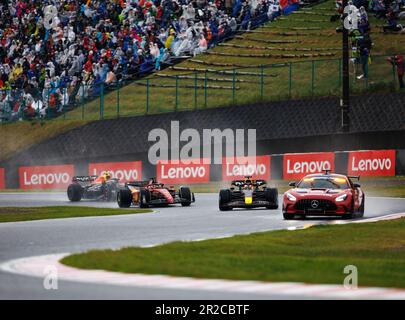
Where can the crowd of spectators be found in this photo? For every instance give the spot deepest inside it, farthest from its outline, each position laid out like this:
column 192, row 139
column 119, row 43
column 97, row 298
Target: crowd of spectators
column 54, row 53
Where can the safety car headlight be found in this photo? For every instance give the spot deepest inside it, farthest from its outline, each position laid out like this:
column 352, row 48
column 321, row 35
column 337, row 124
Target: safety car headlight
column 290, row 197
column 341, row 198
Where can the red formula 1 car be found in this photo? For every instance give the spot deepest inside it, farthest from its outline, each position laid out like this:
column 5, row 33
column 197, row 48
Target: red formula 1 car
column 324, row 195
column 151, row 193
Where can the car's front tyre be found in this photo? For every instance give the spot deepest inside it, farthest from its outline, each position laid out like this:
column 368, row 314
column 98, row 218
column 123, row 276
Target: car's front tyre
column 224, row 199
column 186, row 196
column 75, row 192
column 124, row 198
column 288, row 216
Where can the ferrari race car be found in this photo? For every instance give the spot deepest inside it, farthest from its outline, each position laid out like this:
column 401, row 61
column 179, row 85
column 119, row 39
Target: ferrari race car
column 103, row 188
column 324, row 195
column 248, row 193
column 151, row 193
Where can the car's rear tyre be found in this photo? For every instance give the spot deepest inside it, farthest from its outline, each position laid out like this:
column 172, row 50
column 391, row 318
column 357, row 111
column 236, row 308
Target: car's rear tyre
column 186, row 196
column 144, row 199
column 271, row 195
column 124, row 198
column 75, row 192
column 224, row 199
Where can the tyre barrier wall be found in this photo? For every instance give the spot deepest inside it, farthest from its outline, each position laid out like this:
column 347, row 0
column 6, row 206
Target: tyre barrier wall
column 289, row 166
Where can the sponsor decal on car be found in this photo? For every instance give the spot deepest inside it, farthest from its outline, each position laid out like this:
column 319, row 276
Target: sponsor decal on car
column 240, row 167
column 46, row 177
column 372, row 163
column 297, row 165
column 123, row 171
column 2, row 184
column 177, row 172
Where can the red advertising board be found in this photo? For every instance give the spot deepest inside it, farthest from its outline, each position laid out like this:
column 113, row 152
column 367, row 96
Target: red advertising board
column 124, row 171
column 2, row 184
column 372, row 163
column 297, row 165
column 178, row 173
column 46, row 177
column 240, row 167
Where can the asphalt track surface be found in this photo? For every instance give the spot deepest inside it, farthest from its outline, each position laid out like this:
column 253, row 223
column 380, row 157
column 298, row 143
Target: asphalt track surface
column 200, row 221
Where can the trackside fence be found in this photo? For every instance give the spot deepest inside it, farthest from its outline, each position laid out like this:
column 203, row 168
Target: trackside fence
column 184, row 88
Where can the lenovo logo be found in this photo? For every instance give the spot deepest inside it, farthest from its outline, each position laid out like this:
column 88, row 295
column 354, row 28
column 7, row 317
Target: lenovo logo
column 297, row 166
column 45, row 177
column 168, row 172
column 123, row 171
column 240, row 167
column 372, row 163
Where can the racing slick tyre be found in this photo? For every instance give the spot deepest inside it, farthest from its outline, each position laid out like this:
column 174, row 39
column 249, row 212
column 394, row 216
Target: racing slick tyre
column 186, row 196
column 144, row 199
column 124, row 198
column 75, row 192
column 271, row 196
column 224, row 199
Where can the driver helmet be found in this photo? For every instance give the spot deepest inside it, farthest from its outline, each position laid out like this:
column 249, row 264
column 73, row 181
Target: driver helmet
column 107, row 175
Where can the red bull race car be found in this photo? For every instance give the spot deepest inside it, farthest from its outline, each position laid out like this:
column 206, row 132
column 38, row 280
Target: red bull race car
column 324, row 195
column 145, row 194
column 248, row 193
column 102, row 188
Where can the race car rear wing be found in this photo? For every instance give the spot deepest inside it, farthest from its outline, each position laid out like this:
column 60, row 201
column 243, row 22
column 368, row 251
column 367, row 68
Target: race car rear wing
column 84, row 178
column 354, row 177
column 256, row 183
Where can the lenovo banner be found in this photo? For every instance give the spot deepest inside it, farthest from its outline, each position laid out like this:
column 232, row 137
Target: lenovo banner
column 178, row 173
column 124, row 171
column 372, row 163
column 2, row 184
column 297, row 165
column 238, row 168
column 46, row 177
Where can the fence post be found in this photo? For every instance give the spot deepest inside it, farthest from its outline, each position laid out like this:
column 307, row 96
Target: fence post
column 195, row 89
column 147, row 96
column 261, row 82
column 234, row 86
column 340, row 72
column 313, row 77
column 102, row 102
column 118, row 99
column 205, row 90
column 290, row 79
column 176, row 107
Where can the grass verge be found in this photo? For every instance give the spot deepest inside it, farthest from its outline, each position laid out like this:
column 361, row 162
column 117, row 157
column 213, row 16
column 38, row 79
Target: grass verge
column 14, row 214
column 316, row 255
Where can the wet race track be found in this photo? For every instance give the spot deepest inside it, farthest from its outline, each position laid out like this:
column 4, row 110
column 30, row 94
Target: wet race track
column 202, row 220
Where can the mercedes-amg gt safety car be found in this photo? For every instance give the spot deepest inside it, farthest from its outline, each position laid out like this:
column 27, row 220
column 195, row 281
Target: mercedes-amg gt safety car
column 151, row 193
column 103, row 188
column 324, row 195
column 248, row 193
